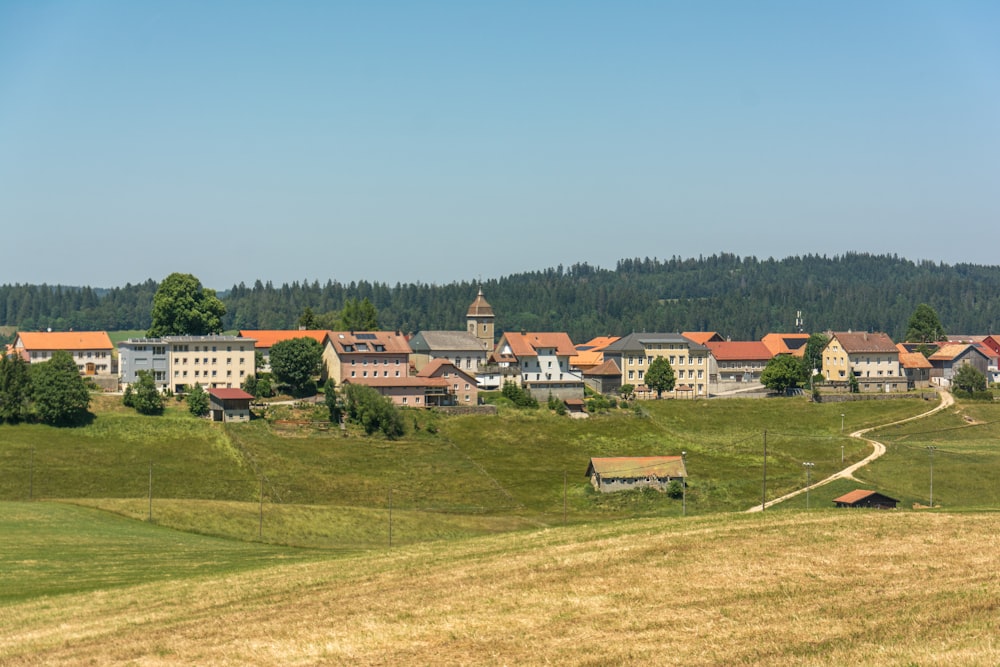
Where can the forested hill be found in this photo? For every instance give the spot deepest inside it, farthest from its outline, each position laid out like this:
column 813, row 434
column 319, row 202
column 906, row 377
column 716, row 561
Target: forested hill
column 743, row 298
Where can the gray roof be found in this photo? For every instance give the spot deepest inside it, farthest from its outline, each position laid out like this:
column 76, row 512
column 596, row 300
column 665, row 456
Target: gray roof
column 429, row 341
column 636, row 342
column 207, row 339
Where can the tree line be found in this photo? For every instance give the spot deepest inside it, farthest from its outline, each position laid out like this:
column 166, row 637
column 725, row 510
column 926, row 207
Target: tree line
column 740, row 297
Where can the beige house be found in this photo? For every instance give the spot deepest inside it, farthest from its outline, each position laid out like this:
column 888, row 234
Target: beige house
column 872, row 358
column 213, row 361
column 91, row 350
column 690, row 361
column 357, row 356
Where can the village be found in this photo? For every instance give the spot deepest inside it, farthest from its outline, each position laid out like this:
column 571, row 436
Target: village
column 449, row 368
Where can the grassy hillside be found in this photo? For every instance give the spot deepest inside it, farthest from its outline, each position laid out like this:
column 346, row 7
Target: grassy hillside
column 825, row 588
column 450, row 477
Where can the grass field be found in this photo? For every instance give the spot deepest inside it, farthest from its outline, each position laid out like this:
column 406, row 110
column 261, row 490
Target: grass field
column 450, row 477
column 824, row 588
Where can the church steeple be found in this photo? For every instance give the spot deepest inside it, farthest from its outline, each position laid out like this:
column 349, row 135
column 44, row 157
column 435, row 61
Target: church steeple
column 479, row 321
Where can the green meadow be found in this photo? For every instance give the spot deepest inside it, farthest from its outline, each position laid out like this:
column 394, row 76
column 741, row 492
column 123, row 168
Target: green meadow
column 461, row 476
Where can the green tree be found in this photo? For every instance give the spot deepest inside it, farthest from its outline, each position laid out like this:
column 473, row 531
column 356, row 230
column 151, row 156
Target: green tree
column 782, row 373
column 197, row 401
column 181, row 306
column 146, row 398
column 924, row 326
column 307, row 320
column 332, row 401
column 813, row 355
column 358, row 316
column 374, row 412
column 660, row 376
column 60, row 393
column 296, row 361
column 969, row 379
column 15, row 389
column 518, row 395
column 626, row 391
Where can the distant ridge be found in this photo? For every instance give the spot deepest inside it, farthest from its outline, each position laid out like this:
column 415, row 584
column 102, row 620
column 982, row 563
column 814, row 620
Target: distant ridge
column 740, row 297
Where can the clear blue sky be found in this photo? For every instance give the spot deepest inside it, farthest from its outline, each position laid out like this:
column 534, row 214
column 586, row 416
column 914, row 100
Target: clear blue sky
column 444, row 141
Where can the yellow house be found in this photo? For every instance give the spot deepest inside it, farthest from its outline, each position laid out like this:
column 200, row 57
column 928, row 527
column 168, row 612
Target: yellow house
column 871, row 358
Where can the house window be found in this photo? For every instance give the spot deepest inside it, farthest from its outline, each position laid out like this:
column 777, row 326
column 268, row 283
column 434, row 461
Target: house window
column 404, row 400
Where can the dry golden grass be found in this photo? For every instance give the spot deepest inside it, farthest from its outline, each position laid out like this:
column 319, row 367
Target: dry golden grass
column 824, row 588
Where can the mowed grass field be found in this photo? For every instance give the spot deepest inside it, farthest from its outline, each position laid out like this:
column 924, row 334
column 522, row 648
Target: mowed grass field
column 826, row 587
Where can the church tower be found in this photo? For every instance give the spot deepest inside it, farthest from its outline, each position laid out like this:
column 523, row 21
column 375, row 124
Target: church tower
column 479, row 321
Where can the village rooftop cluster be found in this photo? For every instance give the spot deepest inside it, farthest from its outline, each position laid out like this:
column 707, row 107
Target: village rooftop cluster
column 448, row 368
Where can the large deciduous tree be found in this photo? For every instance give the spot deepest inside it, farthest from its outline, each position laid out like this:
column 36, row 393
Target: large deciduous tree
column 924, row 326
column 182, row 307
column 782, row 373
column 374, row 412
column 60, row 393
column 660, row 376
column 296, row 361
column 197, row 401
column 15, row 389
column 813, row 355
column 969, row 379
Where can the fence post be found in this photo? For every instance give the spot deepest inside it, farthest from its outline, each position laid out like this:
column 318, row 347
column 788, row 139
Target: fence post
column 150, row 518
column 260, row 520
column 390, row 517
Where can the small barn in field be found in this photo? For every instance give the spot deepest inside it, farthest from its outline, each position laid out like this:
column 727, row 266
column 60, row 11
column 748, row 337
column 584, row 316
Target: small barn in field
column 622, row 473
column 229, row 405
column 865, row 498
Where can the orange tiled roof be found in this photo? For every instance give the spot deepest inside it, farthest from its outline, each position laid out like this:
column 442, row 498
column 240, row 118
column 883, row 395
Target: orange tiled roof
column 226, row 394
column 367, row 342
column 752, row 350
column 527, row 344
column 854, row 496
column 786, row 343
column 862, row 341
column 64, row 340
column 608, row 368
column 436, row 364
column 950, row 351
column 266, row 338
column 702, row 337
column 914, row 360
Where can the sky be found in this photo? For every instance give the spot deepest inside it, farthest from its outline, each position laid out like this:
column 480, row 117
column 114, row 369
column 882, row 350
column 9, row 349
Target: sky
column 444, row 141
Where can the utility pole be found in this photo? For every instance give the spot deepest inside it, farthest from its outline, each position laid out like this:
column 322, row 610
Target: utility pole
column 809, row 466
column 564, row 497
column 763, row 494
column 930, row 450
column 684, row 485
column 150, row 518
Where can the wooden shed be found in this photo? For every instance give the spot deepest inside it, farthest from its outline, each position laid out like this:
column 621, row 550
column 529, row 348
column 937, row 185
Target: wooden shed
column 864, row 498
column 621, row 473
column 229, row 405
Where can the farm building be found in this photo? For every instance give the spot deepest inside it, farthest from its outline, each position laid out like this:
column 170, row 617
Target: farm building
column 622, row 473
column 229, row 405
column 863, row 498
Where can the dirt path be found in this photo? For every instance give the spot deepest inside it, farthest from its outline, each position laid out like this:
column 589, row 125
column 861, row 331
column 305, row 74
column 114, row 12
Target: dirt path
column 878, row 449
